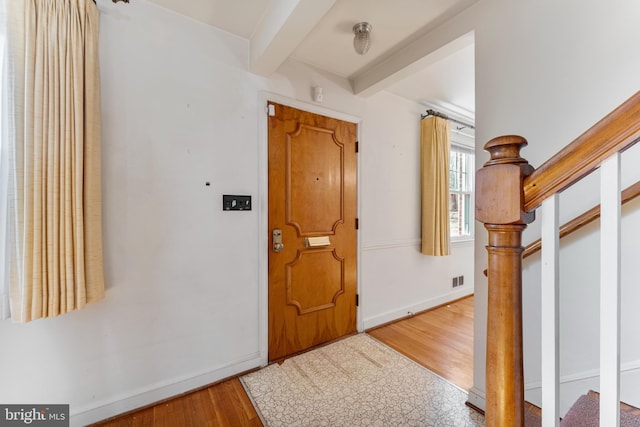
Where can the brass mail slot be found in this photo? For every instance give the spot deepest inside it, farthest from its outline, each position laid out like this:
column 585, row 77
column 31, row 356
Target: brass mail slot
column 317, row 242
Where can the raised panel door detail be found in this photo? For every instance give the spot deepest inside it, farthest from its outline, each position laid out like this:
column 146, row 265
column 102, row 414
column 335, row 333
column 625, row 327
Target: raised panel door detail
column 312, row 193
column 314, row 181
column 314, row 280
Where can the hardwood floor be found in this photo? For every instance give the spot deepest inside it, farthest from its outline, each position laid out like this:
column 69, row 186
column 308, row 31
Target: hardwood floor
column 224, row 404
column 440, row 339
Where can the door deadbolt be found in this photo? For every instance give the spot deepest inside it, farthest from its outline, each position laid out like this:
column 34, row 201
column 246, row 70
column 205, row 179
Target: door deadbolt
column 277, row 240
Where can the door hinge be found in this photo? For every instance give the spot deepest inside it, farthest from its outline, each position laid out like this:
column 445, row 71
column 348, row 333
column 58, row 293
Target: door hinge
column 357, row 146
column 357, row 300
column 271, row 110
column 357, row 223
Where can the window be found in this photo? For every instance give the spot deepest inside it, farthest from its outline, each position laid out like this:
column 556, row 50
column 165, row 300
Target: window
column 461, row 170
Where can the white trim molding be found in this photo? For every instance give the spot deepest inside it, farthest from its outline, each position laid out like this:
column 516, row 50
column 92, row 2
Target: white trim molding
column 476, row 397
column 585, row 375
column 392, row 244
column 263, row 196
column 153, row 393
column 400, row 313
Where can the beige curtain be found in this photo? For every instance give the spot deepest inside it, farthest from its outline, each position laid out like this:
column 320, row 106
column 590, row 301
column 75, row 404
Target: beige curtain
column 435, row 186
column 54, row 154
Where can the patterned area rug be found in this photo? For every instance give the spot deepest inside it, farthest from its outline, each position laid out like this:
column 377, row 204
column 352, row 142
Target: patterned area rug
column 357, row 381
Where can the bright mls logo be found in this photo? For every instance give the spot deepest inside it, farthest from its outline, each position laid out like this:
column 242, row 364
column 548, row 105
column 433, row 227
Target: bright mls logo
column 34, row 415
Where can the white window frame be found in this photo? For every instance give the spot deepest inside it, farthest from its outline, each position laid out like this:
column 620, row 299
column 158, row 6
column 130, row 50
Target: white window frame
column 462, row 143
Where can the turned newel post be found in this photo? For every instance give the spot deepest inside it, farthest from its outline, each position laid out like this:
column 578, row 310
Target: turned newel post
column 499, row 205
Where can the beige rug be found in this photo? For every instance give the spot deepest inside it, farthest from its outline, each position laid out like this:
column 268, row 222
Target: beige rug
column 357, row 381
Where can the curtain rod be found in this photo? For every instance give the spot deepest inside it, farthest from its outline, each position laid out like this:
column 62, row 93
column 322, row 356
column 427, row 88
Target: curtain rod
column 444, row 116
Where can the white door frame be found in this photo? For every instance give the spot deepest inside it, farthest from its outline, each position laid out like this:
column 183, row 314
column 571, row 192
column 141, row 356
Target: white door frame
column 263, row 208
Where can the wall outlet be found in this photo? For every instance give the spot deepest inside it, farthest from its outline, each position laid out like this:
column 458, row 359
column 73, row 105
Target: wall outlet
column 454, row 282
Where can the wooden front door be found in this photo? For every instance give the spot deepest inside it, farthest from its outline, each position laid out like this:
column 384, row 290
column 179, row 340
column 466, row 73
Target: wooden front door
column 312, row 201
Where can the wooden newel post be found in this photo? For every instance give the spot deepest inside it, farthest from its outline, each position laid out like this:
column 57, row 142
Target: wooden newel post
column 499, row 205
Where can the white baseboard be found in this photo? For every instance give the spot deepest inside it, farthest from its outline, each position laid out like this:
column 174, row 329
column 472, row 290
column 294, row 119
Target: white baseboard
column 99, row 411
column 401, row 312
column 476, row 397
column 626, row 367
column 574, row 385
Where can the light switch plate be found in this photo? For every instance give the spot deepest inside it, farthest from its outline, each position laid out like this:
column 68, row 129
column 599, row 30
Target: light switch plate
column 236, row 203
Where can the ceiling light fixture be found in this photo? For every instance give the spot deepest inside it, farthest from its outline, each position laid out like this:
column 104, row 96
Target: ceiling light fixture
column 362, row 39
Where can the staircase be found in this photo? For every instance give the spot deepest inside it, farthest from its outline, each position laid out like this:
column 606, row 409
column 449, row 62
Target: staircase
column 585, row 412
column 508, row 193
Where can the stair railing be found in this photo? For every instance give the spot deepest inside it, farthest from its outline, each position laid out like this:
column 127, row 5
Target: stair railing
column 508, row 191
column 628, row 194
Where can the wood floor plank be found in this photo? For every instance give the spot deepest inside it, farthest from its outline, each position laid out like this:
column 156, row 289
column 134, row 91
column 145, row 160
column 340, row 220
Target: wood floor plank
column 170, row 413
column 439, row 339
column 201, row 409
column 232, row 405
column 143, row 418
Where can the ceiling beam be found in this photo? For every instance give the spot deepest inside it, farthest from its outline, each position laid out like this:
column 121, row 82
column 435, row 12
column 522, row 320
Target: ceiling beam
column 452, row 35
column 285, row 24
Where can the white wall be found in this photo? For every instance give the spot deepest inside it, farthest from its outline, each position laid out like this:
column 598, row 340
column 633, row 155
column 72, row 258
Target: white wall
column 185, row 304
column 396, row 277
column 182, row 307
column 548, row 70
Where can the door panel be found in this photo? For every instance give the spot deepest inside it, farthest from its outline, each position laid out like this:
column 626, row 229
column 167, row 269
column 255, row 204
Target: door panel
column 314, row 176
column 312, row 193
column 323, row 266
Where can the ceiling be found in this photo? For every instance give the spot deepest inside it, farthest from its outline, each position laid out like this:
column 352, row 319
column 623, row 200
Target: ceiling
column 319, row 33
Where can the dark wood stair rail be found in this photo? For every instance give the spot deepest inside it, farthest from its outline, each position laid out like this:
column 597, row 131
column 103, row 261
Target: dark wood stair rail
column 508, row 190
column 580, row 221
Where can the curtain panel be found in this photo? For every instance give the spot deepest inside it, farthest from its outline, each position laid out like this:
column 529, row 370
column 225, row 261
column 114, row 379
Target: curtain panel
column 434, row 163
column 54, row 157
column 4, row 283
